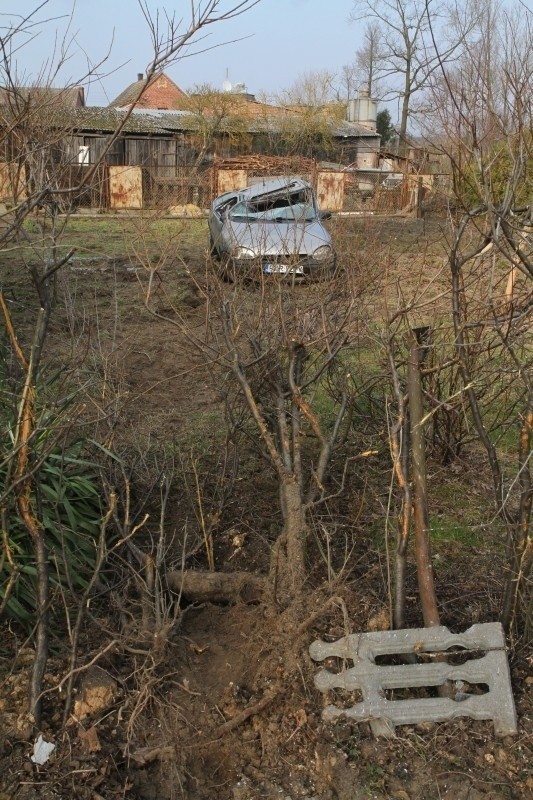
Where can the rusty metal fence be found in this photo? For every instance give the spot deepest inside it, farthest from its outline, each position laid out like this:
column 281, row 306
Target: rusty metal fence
column 85, row 192
column 371, row 196
column 153, row 188
column 118, row 188
column 189, row 186
column 337, row 190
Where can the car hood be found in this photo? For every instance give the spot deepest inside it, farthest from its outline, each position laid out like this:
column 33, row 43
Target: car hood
column 279, row 238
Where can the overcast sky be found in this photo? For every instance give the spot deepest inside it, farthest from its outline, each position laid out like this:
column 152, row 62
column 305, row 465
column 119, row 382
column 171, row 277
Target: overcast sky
column 279, row 39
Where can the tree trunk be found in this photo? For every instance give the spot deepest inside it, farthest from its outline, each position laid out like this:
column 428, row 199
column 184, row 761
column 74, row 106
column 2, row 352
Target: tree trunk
column 405, row 111
column 288, row 554
column 217, row 587
column 422, row 544
column 521, row 545
column 41, row 634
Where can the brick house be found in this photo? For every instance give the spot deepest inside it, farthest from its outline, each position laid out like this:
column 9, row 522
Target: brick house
column 160, row 93
column 163, row 144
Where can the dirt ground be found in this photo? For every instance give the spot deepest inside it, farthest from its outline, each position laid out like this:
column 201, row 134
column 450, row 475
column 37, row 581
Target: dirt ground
column 224, row 705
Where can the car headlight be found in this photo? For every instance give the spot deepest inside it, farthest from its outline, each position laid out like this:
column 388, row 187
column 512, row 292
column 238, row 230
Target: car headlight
column 243, row 252
column 323, row 253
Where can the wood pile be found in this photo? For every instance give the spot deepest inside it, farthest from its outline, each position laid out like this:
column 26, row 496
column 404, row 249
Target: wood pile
column 268, row 164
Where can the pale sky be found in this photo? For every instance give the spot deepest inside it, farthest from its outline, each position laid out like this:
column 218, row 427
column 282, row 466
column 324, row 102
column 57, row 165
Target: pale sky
column 284, row 38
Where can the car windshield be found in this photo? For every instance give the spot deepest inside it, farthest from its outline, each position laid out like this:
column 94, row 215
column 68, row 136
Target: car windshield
column 295, row 206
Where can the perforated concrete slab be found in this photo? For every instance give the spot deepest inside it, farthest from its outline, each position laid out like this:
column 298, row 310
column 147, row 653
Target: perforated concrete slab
column 373, row 680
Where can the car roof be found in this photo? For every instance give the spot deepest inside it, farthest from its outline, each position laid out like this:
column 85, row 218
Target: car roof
column 272, row 185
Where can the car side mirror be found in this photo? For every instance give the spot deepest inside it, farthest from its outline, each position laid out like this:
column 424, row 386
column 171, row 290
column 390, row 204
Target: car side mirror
column 325, row 215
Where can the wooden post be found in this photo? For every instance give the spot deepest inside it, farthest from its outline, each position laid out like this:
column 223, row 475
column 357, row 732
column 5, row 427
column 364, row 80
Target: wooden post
column 419, row 196
column 424, row 568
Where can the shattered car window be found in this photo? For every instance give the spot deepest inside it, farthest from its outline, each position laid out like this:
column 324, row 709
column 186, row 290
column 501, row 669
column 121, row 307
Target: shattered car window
column 297, row 206
column 222, row 208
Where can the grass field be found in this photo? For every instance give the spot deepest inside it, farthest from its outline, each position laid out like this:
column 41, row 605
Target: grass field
column 136, row 344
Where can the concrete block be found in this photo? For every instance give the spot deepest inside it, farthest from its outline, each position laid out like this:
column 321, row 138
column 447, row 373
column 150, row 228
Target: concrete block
column 372, row 680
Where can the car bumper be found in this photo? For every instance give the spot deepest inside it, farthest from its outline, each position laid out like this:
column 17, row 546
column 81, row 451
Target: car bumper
column 289, row 267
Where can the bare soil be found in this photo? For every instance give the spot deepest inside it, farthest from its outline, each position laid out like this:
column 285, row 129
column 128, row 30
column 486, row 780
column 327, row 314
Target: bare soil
column 224, row 706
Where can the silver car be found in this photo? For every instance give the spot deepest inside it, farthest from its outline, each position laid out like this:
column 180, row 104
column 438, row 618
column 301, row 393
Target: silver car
column 272, row 227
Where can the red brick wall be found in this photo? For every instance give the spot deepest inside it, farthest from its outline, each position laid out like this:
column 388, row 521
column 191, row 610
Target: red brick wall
column 162, row 93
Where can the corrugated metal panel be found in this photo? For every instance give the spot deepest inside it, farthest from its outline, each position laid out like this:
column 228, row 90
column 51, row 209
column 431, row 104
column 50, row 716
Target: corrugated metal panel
column 125, row 187
column 12, row 188
column 330, row 190
column 229, row 180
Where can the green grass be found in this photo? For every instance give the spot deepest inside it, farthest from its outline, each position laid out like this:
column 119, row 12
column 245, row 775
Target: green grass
column 205, row 431
column 455, row 518
column 446, row 529
column 109, row 237
column 122, row 234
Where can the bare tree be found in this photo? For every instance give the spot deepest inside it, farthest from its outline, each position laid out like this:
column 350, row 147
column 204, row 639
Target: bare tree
column 398, row 50
column 347, row 83
column 281, row 351
column 367, row 58
column 278, row 361
column 33, row 129
column 218, row 118
column 312, row 88
column 486, row 115
column 361, row 72
column 312, row 110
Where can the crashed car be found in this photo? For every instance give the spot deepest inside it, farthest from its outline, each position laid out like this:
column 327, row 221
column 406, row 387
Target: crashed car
column 271, row 228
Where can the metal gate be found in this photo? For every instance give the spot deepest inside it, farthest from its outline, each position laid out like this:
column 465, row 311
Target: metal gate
column 125, row 187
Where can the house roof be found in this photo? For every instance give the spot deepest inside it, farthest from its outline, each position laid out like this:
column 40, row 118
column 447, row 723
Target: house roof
column 68, row 97
column 105, row 120
column 245, row 105
column 264, row 116
column 339, row 129
column 139, row 91
column 155, row 122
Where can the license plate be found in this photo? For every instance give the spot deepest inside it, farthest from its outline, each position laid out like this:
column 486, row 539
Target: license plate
column 281, row 269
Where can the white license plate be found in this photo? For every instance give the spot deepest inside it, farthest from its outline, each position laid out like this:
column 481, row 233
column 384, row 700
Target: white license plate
column 281, row 269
